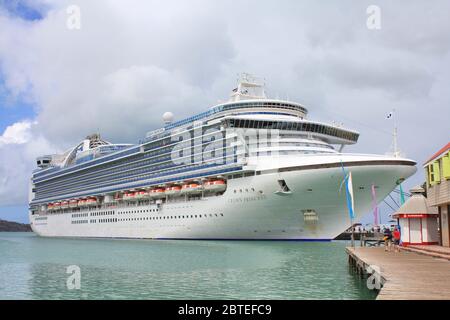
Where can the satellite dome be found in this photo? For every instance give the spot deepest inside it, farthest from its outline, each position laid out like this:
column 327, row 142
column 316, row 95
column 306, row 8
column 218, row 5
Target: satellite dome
column 168, row 117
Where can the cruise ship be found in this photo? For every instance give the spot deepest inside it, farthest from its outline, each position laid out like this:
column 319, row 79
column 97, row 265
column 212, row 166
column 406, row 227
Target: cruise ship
column 251, row 168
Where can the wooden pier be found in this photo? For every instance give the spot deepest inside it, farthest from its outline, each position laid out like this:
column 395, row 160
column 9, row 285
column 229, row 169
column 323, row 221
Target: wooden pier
column 404, row 275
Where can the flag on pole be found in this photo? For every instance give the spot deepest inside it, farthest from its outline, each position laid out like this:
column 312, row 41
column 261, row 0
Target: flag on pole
column 375, row 207
column 351, row 201
column 348, row 192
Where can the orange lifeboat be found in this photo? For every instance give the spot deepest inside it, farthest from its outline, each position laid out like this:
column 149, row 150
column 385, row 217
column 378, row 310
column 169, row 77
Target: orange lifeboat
column 141, row 194
column 65, row 205
column 129, row 196
column 117, row 197
column 191, row 188
column 82, row 203
column 73, row 203
column 173, row 190
column 57, row 205
column 215, row 185
column 157, row 193
column 91, row 201
column 50, row 207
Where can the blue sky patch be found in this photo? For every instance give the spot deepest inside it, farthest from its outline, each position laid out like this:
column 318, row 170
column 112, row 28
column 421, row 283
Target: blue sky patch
column 22, row 9
column 12, row 109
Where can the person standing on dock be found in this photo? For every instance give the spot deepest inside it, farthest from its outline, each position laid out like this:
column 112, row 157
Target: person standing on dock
column 396, row 236
column 387, row 239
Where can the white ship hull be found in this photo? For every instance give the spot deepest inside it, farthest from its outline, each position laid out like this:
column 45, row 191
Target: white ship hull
column 251, row 208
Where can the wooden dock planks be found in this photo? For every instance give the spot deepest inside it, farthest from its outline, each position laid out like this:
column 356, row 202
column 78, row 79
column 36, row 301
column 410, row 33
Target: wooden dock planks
column 406, row 275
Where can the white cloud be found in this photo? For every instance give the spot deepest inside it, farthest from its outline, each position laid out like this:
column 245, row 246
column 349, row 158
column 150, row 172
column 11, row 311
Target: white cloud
column 20, row 144
column 17, row 133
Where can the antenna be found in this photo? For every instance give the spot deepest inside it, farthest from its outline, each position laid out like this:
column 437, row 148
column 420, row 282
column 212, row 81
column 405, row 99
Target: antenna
column 249, row 87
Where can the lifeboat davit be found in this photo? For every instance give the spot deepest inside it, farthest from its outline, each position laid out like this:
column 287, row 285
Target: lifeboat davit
column 141, row 194
column 73, row 203
column 92, row 201
column 191, row 188
column 117, row 197
column 173, row 190
column 157, row 193
column 215, row 185
column 65, row 205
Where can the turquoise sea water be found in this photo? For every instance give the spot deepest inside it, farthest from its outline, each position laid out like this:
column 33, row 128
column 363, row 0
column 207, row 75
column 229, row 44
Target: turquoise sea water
column 35, row 268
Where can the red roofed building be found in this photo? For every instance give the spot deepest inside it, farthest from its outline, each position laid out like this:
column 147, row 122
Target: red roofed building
column 437, row 171
column 418, row 222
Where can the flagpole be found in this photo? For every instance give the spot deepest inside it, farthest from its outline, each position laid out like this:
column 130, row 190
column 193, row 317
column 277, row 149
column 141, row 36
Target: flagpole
column 353, row 233
column 395, row 142
column 396, row 153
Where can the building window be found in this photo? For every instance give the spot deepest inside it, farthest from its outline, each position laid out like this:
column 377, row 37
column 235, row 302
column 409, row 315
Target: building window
column 437, row 171
column 446, row 166
column 430, row 170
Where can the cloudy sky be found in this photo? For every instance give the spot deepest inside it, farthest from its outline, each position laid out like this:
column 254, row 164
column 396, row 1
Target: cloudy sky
column 130, row 61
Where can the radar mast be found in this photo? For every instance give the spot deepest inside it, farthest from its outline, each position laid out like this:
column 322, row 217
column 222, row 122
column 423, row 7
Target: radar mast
column 249, row 87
